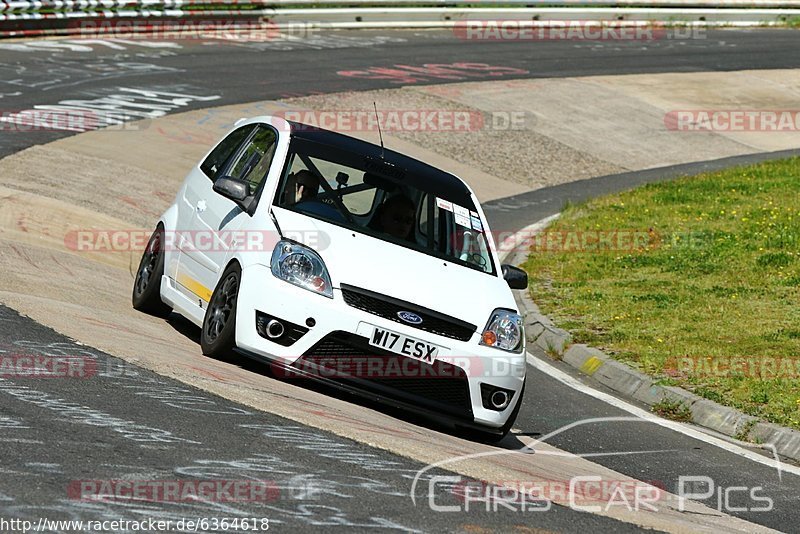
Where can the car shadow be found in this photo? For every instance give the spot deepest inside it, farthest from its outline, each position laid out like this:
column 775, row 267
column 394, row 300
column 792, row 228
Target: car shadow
column 191, row 331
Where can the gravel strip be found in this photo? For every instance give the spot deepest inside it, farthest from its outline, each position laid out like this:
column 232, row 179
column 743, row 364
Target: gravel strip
column 521, row 156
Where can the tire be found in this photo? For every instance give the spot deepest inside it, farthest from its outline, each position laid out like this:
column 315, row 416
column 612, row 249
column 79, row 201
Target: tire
column 218, row 337
column 495, row 437
column 146, row 294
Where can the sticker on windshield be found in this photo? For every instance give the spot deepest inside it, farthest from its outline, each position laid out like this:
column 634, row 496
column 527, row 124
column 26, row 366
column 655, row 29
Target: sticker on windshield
column 476, row 223
column 461, row 215
column 444, row 204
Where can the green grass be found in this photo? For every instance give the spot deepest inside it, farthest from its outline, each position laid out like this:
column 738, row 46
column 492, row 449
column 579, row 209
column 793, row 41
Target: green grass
column 711, row 272
column 673, row 410
column 791, row 22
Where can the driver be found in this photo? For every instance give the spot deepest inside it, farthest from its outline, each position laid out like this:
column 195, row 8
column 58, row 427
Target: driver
column 397, row 217
column 307, row 185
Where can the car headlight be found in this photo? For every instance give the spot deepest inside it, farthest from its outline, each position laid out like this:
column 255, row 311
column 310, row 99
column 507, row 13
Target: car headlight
column 504, row 331
column 301, row 266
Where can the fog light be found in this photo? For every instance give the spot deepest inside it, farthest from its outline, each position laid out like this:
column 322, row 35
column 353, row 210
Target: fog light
column 499, row 399
column 496, row 398
column 274, row 329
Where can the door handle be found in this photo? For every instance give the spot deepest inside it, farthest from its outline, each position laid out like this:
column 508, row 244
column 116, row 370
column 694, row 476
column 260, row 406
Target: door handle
column 201, row 206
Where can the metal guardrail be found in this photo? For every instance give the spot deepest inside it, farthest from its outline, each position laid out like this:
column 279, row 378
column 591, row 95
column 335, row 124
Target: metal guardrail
column 55, row 17
column 76, row 5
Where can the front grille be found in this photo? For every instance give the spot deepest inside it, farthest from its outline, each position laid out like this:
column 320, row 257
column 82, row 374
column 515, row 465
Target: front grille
column 349, row 358
column 388, row 308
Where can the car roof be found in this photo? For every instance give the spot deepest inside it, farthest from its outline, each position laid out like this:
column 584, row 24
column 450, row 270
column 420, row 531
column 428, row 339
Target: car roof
column 419, row 174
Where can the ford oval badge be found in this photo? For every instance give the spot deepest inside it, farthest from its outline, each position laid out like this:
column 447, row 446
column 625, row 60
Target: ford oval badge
column 409, row 317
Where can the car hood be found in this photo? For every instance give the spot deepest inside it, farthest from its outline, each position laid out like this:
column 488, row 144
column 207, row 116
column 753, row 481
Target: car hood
column 370, row 263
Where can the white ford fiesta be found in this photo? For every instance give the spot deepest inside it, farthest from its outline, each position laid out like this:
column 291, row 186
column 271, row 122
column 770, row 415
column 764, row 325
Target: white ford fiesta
column 334, row 259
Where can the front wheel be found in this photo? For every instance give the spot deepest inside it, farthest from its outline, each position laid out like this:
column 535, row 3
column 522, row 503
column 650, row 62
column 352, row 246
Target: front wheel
column 218, row 337
column 146, row 296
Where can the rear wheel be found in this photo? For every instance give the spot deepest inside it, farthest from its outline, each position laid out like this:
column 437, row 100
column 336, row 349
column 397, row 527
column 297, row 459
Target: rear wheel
column 146, row 296
column 218, row 337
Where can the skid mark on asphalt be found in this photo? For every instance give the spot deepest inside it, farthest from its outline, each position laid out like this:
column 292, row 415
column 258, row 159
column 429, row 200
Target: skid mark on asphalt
column 216, row 376
column 7, row 423
column 409, row 74
column 327, row 447
column 287, row 42
column 55, row 260
column 45, row 74
column 84, row 46
column 88, row 416
column 127, row 376
column 24, row 256
column 118, row 106
column 44, row 467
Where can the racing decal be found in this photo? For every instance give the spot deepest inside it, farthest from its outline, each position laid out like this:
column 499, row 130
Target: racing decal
column 476, row 221
column 444, row 204
column 461, row 215
column 195, row 287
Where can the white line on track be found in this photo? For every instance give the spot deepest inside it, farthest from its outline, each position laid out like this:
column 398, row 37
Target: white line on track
column 681, row 428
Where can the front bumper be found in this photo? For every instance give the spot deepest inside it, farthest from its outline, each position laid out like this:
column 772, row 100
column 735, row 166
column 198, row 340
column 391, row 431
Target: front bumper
column 336, row 350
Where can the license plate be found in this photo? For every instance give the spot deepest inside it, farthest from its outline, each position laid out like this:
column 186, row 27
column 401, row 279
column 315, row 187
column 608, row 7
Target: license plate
column 405, row 345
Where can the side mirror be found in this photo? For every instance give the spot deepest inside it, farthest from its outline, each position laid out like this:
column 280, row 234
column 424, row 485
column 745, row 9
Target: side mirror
column 231, row 188
column 234, row 189
column 514, row 276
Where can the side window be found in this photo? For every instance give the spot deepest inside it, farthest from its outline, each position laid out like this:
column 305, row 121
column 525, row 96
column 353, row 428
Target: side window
column 215, row 162
column 252, row 162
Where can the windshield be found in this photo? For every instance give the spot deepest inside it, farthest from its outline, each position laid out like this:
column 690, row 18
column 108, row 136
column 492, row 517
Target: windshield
column 372, row 196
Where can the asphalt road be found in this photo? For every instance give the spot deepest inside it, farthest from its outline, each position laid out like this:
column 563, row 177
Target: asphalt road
column 47, row 445
column 62, row 437
column 328, row 62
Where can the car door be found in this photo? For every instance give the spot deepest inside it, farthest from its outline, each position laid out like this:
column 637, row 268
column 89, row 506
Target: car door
column 246, row 154
column 190, row 194
column 185, row 271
